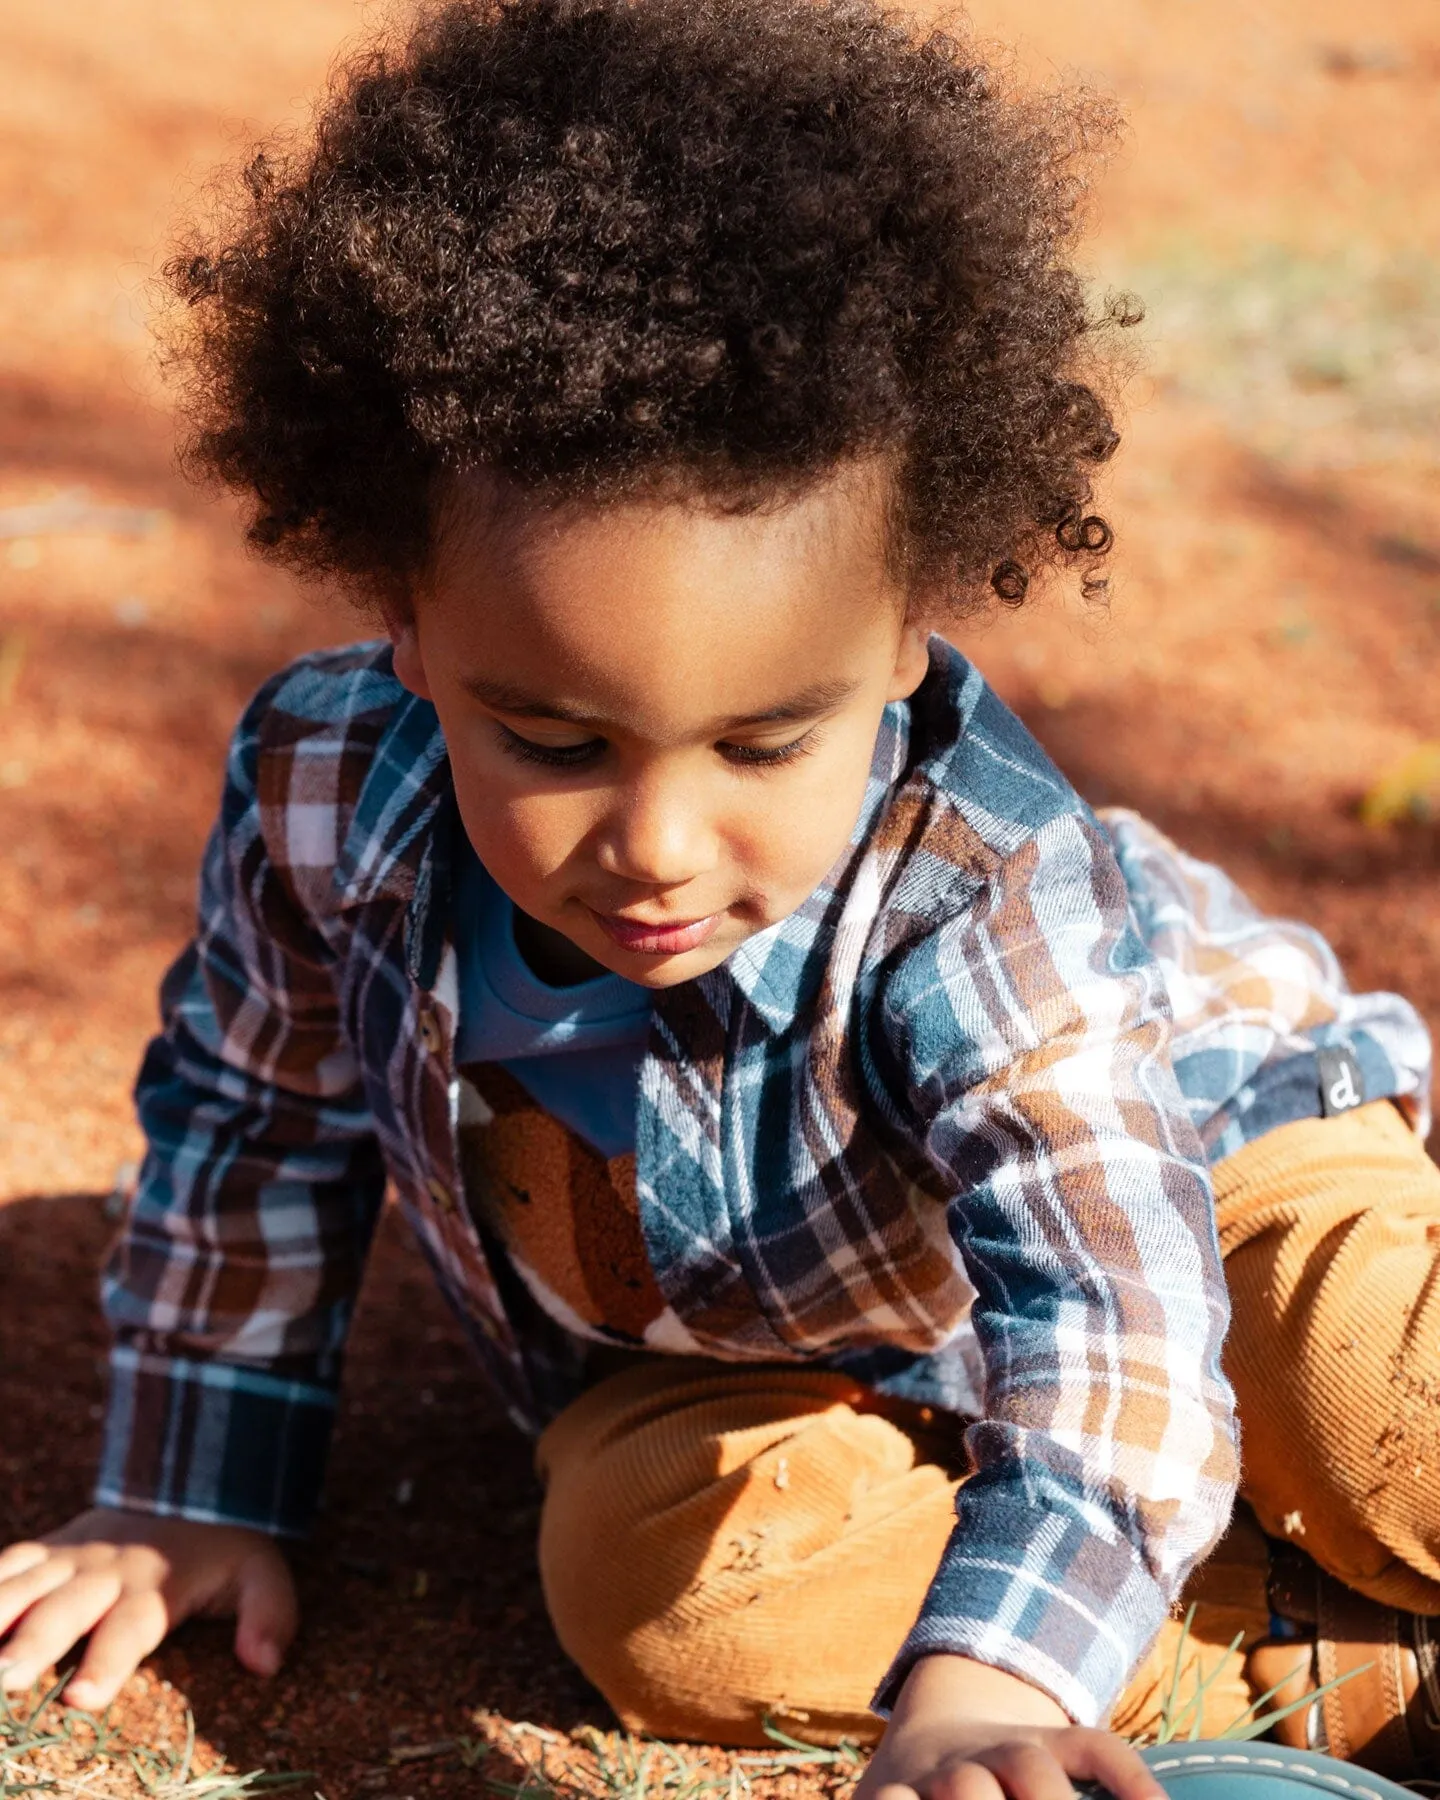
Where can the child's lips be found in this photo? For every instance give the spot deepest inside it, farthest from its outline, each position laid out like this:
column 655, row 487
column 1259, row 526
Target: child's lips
column 647, row 938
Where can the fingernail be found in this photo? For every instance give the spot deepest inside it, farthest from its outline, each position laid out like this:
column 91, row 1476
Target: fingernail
column 82, row 1693
column 267, row 1659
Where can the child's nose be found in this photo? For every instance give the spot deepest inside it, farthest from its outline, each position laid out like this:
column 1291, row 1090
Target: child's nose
column 659, row 836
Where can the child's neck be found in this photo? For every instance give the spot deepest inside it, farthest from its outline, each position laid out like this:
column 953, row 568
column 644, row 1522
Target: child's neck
column 550, row 956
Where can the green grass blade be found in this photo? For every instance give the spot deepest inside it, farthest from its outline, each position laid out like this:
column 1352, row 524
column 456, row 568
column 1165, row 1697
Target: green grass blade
column 1244, row 1718
column 1173, row 1716
column 1258, row 1726
column 1171, row 1698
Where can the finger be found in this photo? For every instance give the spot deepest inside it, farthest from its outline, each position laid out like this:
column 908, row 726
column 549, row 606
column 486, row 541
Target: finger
column 133, row 1627
column 267, row 1611
column 1103, row 1757
column 15, row 1559
column 962, row 1781
column 1028, row 1772
column 23, row 1591
column 53, row 1624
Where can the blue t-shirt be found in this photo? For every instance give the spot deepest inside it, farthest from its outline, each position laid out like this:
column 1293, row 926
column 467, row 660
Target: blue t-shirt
column 576, row 1050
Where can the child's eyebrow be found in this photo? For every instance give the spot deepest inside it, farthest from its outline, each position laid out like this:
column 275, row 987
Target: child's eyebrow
column 809, row 703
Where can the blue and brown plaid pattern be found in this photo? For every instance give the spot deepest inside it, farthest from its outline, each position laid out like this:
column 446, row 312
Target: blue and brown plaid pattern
column 945, row 1127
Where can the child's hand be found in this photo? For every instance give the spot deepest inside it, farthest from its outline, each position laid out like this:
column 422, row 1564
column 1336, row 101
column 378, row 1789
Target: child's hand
column 126, row 1579
column 964, row 1731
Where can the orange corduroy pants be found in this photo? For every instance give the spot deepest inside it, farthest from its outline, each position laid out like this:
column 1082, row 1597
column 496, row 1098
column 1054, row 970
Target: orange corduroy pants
column 722, row 1543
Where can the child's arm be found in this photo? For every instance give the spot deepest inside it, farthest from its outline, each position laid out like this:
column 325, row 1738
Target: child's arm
column 962, row 1730
column 230, row 1289
column 1031, row 1033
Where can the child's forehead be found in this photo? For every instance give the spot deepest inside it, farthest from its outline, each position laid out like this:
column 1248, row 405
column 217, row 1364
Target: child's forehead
column 492, row 533
column 666, row 612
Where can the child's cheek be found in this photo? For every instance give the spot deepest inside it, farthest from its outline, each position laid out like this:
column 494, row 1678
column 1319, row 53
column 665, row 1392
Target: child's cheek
column 525, row 840
column 801, row 825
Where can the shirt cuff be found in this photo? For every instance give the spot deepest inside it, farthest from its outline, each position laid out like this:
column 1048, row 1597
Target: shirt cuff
column 216, row 1442
column 1039, row 1592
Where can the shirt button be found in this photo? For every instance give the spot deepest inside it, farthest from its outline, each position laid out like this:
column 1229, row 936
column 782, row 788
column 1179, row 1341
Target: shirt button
column 440, row 1194
column 430, row 1031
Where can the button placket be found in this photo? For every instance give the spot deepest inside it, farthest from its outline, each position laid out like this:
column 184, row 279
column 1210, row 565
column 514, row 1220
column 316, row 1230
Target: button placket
column 430, row 1034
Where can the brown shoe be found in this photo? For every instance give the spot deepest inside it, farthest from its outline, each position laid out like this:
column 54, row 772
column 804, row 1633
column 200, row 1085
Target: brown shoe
column 1385, row 1714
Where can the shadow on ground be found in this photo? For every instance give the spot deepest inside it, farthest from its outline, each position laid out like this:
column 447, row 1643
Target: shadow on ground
column 1131, row 758
column 420, row 1592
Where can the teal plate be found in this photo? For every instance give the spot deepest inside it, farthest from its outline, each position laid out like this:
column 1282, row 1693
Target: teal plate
column 1240, row 1771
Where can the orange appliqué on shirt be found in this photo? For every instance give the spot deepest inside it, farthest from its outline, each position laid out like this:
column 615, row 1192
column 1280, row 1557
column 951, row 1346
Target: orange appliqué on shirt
column 567, row 1217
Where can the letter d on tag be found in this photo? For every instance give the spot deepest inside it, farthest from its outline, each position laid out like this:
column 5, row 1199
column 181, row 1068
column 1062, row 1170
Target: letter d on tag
column 1342, row 1086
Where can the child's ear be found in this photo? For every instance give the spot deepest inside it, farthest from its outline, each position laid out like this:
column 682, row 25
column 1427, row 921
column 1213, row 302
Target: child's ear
column 912, row 661
column 405, row 645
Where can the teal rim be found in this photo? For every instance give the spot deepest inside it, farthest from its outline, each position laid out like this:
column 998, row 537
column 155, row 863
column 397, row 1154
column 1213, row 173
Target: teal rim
column 1174, row 1763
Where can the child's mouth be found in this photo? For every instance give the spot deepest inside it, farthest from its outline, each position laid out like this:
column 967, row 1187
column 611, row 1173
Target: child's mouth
column 647, row 939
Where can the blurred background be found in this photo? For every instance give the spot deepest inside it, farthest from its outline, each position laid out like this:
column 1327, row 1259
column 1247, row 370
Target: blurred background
column 1263, row 684
column 1273, row 642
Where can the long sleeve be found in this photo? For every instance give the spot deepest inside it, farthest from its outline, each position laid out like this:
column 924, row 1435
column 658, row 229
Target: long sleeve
column 1031, row 1034
column 231, row 1286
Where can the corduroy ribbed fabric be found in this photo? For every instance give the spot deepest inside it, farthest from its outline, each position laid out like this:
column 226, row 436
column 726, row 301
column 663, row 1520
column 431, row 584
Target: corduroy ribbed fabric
column 722, row 1543
column 1330, row 1230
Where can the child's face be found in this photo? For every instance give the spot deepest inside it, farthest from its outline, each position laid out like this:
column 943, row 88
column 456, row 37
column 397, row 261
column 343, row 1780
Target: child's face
column 659, row 717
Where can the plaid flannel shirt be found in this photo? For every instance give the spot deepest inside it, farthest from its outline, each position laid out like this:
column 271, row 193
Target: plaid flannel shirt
column 927, row 1128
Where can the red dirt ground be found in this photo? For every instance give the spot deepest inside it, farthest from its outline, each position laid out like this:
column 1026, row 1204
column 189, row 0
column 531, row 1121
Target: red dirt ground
column 1270, row 651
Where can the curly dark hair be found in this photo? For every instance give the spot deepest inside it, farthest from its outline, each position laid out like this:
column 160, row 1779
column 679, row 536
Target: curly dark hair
column 600, row 245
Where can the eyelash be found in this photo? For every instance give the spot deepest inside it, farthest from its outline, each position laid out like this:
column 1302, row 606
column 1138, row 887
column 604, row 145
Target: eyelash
column 558, row 756
column 753, row 757
column 576, row 756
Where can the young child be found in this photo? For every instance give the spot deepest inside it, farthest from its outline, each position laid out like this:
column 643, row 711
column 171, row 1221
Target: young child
column 815, row 1114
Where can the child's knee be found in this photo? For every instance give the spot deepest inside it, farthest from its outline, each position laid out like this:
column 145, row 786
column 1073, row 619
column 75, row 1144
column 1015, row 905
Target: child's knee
column 1331, row 1229
column 738, row 1544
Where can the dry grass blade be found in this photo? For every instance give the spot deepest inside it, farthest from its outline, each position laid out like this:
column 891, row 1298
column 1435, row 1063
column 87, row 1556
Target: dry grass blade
column 89, row 1744
column 620, row 1766
column 797, row 1754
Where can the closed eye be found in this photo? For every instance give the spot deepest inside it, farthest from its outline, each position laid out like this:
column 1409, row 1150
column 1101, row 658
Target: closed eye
column 760, row 756
column 549, row 756
column 577, row 756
